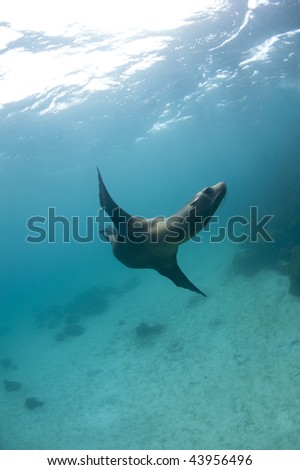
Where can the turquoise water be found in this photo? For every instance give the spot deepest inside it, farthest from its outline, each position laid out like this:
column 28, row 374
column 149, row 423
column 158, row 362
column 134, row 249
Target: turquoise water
column 164, row 112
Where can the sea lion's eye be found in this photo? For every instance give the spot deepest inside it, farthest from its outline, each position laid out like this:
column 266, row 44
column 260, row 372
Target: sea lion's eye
column 208, row 191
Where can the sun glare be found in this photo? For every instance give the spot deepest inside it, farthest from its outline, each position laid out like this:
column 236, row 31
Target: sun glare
column 98, row 37
column 57, row 17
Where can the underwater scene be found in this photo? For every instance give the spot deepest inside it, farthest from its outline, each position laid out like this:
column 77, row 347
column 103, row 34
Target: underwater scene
column 188, row 109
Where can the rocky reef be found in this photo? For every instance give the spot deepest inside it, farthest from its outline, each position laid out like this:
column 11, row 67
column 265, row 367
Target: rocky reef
column 294, row 272
column 281, row 255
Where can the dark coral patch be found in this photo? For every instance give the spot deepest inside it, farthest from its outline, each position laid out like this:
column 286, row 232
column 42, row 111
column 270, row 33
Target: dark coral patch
column 60, row 337
column 32, row 403
column 11, row 386
column 70, row 330
column 145, row 330
column 91, row 302
column 73, row 330
column 8, row 364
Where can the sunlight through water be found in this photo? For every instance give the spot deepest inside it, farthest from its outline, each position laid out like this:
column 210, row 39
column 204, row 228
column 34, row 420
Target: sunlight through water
column 50, row 47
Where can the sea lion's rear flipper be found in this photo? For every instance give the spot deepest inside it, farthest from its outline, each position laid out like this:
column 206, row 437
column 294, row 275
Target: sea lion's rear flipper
column 117, row 215
column 179, row 278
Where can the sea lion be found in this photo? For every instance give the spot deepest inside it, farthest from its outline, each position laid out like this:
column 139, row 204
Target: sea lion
column 153, row 243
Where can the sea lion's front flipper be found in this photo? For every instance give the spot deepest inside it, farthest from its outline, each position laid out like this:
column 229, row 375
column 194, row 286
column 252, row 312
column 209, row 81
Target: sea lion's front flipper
column 179, row 278
column 117, row 215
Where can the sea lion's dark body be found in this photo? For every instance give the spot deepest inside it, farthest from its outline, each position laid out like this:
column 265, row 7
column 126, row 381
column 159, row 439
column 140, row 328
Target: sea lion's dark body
column 153, row 243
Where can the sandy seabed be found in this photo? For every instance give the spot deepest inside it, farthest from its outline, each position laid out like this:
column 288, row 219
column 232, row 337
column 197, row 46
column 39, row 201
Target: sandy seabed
column 224, row 373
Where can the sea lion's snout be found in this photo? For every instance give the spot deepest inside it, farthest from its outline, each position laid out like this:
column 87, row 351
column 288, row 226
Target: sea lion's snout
column 220, row 188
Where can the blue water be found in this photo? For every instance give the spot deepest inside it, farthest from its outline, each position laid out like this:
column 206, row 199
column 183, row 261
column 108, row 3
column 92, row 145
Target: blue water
column 213, row 99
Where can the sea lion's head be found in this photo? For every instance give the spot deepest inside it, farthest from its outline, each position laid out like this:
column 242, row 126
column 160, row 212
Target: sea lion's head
column 207, row 201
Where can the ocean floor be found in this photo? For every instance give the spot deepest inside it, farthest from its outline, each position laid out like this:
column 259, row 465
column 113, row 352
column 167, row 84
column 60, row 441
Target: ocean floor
column 221, row 372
